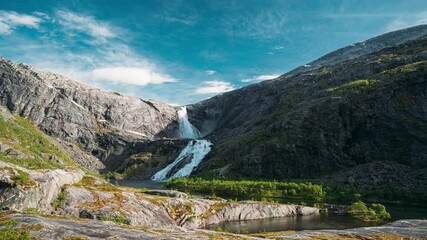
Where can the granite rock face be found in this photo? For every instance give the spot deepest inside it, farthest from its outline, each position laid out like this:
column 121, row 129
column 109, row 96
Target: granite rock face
column 98, row 121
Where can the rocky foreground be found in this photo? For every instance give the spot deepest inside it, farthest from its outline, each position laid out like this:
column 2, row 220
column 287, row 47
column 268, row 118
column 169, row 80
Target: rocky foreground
column 73, row 194
column 50, row 227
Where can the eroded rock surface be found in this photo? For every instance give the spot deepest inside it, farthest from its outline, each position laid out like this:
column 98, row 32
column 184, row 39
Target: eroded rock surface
column 24, row 189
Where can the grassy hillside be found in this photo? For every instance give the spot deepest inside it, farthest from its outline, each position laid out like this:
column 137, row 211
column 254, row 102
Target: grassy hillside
column 24, row 145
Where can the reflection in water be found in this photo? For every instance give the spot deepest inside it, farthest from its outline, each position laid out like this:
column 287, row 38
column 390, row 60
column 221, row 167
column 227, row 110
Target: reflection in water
column 135, row 183
column 297, row 223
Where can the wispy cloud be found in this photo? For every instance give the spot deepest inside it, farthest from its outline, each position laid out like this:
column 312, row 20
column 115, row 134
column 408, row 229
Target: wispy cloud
column 265, row 24
column 214, row 86
column 10, row 20
column 260, row 78
column 210, row 72
column 178, row 12
column 407, row 20
column 130, row 75
column 73, row 22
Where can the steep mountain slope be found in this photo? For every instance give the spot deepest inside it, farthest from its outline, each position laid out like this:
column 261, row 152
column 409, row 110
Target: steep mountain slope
column 101, row 123
column 314, row 122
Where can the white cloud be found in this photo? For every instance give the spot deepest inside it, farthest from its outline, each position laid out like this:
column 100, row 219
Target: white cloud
column 73, row 22
column 407, row 20
column 210, row 72
column 214, row 86
column 260, row 78
column 10, row 20
column 130, row 75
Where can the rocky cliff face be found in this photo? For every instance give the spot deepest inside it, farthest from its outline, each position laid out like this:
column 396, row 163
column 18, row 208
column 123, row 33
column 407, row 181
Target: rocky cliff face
column 343, row 113
column 101, row 123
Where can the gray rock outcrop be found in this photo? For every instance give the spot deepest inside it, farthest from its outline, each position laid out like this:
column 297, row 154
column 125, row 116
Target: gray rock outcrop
column 25, row 189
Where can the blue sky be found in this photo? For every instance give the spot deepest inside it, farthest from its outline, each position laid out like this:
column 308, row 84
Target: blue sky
column 181, row 52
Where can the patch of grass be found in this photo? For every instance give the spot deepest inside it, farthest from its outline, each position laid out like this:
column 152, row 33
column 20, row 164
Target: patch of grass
column 8, row 222
column 14, row 234
column 356, row 86
column 22, row 178
column 20, row 134
column 75, row 238
column 408, row 68
column 10, row 233
column 91, row 182
column 57, row 203
column 325, row 73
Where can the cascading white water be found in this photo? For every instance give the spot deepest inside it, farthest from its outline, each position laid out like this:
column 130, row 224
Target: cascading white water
column 186, row 129
column 191, row 156
column 196, row 149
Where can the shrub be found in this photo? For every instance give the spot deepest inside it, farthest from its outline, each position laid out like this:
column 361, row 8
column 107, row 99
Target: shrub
column 376, row 212
column 59, row 200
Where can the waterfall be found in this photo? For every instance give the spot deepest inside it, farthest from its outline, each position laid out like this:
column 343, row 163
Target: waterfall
column 186, row 129
column 189, row 157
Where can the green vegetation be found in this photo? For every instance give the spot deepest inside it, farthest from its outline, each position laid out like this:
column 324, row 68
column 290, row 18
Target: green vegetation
column 325, row 73
column 39, row 152
column 21, row 178
column 249, row 189
column 116, row 218
column 356, row 86
column 375, row 213
column 59, row 200
column 408, row 68
column 8, row 230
